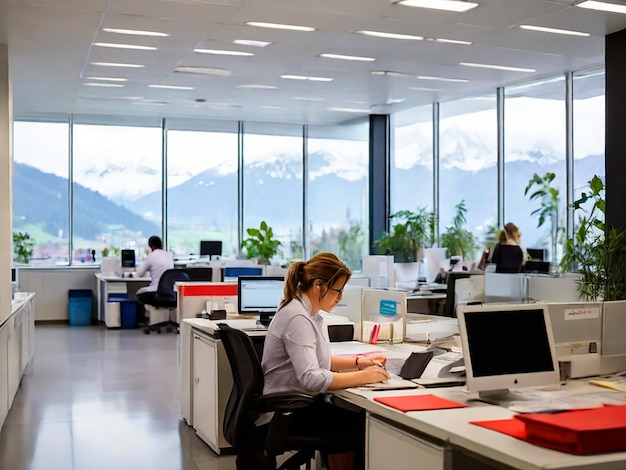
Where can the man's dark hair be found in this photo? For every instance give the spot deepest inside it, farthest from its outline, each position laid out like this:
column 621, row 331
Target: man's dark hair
column 155, row 242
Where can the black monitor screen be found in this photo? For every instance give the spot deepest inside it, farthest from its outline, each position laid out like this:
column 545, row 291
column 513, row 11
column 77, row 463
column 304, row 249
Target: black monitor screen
column 210, row 248
column 128, row 258
column 451, row 300
column 536, row 254
column 508, row 342
column 258, row 294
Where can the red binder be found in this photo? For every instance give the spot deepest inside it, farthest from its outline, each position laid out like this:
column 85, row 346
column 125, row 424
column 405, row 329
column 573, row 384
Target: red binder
column 579, row 431
column 418, row 403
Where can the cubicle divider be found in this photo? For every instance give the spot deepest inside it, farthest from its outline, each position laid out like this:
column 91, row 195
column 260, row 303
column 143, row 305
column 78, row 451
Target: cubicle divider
column 192, row 297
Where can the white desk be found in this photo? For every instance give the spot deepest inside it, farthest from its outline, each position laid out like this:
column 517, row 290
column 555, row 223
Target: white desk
column 447, row 440
column 113, row 283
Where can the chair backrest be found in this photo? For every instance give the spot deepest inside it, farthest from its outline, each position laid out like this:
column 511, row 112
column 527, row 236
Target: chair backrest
column 200, row 274
column 239, row 427
column 165, row 294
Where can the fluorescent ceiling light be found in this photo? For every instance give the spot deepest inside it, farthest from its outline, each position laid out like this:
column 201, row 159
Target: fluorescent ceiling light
column 149, row 103
column 348, row 57
column 303, row 77
column 306, row 98
column 448, row 5
column 602, row 6
column 267, row 106
column 380, row 34
column 497, row 67
column 258, row 87
column 124, row 46
column 134, row 32
column 222, row 52
column 196, row 69
column 250, row 42
column 388, row 73
column 113, row 64
column 291, row 27
column 417, row 88
column 350, row 110
column 553, row 30
column 450, row 41
column 442, row 79
column 105, row 85
column 110, row 79
column 172, row 87
column 395, row 100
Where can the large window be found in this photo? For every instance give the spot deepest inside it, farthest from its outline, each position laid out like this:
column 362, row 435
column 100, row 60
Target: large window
column 202, row 189
column 534, row 116
column 117, row 188
column 272, row 183
column 338, row 192
column 40, row 189
column 411, row 177
column 468, row 164
column 589, row 132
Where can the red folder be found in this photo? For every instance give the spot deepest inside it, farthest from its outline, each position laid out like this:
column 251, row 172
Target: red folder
column 579, row 431
column 576, row 432
column 418, row 403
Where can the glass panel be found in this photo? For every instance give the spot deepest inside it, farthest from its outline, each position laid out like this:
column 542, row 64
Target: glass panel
column 338, row 194
column 534, row 121
column 468, row 150
column 411, row 175
column 589, row 130
column 40, row 189
column 201, row 191
column 272, row 185
column 117, row 189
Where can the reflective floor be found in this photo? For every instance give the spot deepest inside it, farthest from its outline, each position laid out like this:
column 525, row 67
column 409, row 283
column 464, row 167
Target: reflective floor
column 101, row 399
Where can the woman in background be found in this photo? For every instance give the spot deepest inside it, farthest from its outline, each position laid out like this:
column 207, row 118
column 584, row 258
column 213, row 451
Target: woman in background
column 297, row 356
column 508, row 255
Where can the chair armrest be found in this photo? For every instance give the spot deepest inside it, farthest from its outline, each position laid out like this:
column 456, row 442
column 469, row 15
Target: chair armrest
column 283, row 401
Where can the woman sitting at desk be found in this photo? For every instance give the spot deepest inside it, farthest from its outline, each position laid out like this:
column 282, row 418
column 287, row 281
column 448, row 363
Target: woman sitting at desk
column 508, row 255
column 297, row 356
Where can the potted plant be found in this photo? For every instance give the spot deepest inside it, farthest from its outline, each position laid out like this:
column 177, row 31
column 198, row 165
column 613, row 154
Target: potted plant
column 456, row 238
column 410, row 232
column 23, row 246
column 597, row 253
column 549, row 209
column 261, row 243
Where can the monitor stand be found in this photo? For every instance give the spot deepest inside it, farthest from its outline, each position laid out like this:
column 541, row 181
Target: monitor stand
column 502, row 397
column 265, row 318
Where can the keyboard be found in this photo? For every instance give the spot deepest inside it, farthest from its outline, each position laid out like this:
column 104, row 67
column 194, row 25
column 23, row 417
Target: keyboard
column 394, row 363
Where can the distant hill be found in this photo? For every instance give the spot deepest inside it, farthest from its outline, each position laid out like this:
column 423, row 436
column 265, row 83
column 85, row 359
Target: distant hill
column 41, row 198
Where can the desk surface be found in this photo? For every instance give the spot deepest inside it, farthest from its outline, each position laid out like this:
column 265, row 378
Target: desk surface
column 116, row 278
column 454, row 426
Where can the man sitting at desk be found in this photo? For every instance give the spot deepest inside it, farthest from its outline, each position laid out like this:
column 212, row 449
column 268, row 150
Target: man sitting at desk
column 297, row 356
column 157, row 262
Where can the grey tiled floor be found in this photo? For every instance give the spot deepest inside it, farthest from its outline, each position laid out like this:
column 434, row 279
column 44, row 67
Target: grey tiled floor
column 101, row 399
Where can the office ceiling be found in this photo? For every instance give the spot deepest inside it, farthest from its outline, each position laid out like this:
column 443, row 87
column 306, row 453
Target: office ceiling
column 52, row 50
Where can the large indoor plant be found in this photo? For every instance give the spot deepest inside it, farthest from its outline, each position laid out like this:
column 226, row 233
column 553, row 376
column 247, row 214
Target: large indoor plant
column 457, row 239
column 23, row 246
column 261, row 243
column 596, row 252
column 409, row 233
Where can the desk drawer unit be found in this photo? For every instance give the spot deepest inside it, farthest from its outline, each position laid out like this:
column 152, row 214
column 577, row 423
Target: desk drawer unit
column 388, row 446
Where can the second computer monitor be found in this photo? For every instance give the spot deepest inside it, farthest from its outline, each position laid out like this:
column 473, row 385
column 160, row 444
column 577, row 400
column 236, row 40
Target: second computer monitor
column 128, row 259
column 210, row 248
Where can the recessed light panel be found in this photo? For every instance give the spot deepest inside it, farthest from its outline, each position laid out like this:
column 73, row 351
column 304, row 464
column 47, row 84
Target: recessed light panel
column 602, row 6
column 447, row 5
column 291, row 27
column 553, row 30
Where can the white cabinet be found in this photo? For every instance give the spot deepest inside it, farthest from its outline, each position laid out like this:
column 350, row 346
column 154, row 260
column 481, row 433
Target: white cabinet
column 15, row 333
column 4, row 372
column 212, row 383
column 387, row 444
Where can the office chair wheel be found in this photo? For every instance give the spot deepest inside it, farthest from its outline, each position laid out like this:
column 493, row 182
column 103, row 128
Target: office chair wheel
column 146, row 331
column 158, row 330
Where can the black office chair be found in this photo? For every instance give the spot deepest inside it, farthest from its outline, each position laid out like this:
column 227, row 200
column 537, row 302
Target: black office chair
column 200, row 274
column 163, row 302
column 258, row 447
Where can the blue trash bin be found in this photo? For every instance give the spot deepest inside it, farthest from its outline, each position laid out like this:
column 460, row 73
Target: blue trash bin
column 79, row 301
column 128, row 313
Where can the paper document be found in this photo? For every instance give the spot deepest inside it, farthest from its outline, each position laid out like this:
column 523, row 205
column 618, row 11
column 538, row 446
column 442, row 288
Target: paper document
column 612, row 383
column 394, row 383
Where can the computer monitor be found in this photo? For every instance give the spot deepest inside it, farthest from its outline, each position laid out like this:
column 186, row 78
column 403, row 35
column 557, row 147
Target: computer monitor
column 507, row 346
column 210, row 248
column 537, row 254
column 259, row 295
column 477, row 289
column 128, row 260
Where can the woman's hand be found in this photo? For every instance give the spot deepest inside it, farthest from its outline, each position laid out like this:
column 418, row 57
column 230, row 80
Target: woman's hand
column 365, row 362
column 374, row 374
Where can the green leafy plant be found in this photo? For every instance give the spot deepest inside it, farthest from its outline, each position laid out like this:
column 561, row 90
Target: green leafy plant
column 409, row 234
column 549, row 199
column 261, row 243
column 23, row 246
column 597, row 253
column 456, row 238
